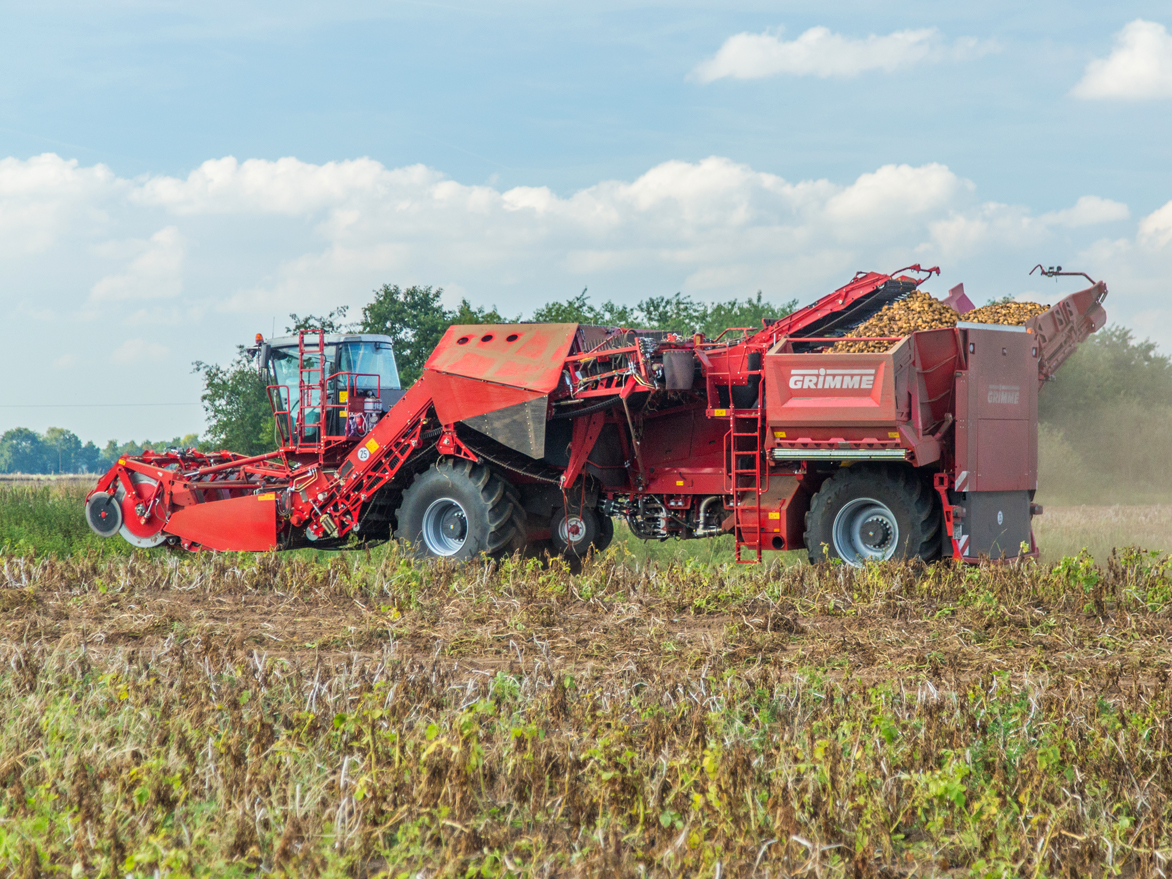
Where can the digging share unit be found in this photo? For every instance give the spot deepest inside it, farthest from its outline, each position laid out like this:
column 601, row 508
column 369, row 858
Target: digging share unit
column 535, row 436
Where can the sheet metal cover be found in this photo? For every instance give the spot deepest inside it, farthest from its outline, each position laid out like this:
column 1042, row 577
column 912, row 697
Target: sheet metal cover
column 242, row 524
column 520, row 427
column 528, row 356
column 458, row 398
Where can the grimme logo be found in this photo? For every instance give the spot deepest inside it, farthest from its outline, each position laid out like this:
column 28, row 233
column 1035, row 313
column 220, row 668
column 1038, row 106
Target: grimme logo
column 1004, row 394
column 802, row 379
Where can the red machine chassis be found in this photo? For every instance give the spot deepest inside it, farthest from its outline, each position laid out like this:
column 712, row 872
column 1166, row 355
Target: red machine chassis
column 682, row 436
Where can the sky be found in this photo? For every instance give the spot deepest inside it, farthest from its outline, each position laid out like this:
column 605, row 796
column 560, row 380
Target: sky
column 176, row 177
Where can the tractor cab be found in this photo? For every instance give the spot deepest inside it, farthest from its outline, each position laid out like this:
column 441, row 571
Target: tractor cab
column 328, row 388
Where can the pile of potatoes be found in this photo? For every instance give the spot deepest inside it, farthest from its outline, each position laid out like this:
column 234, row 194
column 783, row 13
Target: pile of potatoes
column 920, row 311
column 1008, row 313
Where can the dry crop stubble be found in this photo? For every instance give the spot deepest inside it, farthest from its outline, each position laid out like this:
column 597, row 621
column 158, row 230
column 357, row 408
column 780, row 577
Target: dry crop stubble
column 202, row 715
column 1066, row 530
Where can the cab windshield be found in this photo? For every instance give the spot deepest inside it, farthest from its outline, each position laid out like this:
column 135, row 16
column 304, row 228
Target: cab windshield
column 371, row 358
column 374, row 362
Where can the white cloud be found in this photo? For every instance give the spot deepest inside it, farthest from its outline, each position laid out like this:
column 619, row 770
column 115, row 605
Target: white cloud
column 286, row 186
column 991, row 225
column 821, row 52
column 1089, row 210
column 42, row 198
column 981, row 228
column 186, row 267
column 156, row 273
column 896, row 192
column 1155, row 230
column 139, row 352
column 1138, row 68
column 293, row 235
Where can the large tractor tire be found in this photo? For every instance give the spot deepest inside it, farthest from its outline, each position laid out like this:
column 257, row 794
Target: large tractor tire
column 866, row 513
column 458, row 510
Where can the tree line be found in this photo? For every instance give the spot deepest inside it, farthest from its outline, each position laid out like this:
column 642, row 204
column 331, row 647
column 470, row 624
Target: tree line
column 415, row 318
column 58, row 450
column 1110, row 381
column 236, row 403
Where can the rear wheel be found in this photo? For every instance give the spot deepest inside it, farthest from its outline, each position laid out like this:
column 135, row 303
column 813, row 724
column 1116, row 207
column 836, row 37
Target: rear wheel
column 863, row 514
column 456, row 509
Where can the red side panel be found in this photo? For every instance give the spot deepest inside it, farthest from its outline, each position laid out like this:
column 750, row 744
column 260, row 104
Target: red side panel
column 245, row 524
column 997, row 419
column 816, row 390
column 528, row 356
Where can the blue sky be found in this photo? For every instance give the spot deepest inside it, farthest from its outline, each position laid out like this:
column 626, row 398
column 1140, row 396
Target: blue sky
column 175, row 176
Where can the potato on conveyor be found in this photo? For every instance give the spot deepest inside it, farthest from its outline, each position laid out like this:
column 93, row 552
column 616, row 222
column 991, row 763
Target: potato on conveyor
column 1005, row 313
column 920, row 311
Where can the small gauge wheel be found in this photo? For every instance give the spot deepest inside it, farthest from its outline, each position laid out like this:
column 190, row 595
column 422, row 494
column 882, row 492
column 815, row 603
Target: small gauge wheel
column 103, row 514
column 573, row 532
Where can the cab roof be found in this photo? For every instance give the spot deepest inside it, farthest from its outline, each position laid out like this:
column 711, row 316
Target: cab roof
column 331, row 339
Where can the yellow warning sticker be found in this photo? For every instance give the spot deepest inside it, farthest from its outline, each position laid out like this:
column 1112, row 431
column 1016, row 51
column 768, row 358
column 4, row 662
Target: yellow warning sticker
column 372, row 445
column 343, row 396
column 893, row 434
column 719, row 412
column 779, row 434
column 270, row 496
column 679, row 482
column 775, row 515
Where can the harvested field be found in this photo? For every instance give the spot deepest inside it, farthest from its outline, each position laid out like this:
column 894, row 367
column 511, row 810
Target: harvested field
column 214, row 715
column 657, row 713
column 1064, row 531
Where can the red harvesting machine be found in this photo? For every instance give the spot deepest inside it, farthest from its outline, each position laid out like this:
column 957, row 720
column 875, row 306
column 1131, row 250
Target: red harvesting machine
column 534, row 436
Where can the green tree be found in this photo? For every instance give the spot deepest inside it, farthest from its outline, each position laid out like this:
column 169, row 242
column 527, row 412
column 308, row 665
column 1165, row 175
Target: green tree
column 750, row 312
column 89, row 459
column 1110, row 367
column 678, row 313
column 333, row 322
column 62, row 450
column 414, row 318
column 466, row 313
column 22, row 451
column 236, row 404
column 579, row 310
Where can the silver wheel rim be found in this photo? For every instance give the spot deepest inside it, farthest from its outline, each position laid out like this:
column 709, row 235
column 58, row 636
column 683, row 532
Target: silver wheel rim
column 572, row 530
column 865, row 530
column 445, row 527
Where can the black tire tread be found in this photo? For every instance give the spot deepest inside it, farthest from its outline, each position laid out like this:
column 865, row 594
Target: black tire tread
column 914, row 488
column 504, row 514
